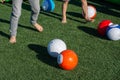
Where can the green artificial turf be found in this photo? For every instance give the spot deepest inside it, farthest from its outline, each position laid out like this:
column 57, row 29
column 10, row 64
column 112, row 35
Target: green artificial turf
column 28, row 59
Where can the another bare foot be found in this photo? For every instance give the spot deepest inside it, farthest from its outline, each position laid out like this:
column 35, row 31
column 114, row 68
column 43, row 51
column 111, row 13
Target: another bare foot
column 12, row 39
column 64, row 21
column 38, row 27
column 90, row 20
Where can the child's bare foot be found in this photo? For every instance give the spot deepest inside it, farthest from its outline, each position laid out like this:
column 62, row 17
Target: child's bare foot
column 93, row 20
column 38, row 27
column 90, row 20
column 64, row 21
column 12, row 39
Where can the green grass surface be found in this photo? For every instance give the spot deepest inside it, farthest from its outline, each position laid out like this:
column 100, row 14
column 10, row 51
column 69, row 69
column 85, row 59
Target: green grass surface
column 28, row 59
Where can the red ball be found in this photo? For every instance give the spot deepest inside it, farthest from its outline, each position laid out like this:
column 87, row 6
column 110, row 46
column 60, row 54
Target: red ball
column 103, row 26
column 67, row 60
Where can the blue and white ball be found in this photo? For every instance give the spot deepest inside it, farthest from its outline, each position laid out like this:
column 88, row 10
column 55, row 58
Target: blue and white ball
column 48, row 5
column 55, row 47
column 113, row 32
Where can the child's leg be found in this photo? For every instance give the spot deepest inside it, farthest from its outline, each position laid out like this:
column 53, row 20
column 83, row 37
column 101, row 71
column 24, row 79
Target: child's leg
column 84, row 7
column 35, row 7
column 85, row 10
column 64, row 9
column 16, row 12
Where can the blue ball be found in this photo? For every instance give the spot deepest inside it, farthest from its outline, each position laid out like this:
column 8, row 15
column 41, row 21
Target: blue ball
column 48, row 5
column 113, row 32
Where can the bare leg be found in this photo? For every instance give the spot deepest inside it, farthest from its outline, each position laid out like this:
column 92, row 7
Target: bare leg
column 64, row 9
column 85, row 10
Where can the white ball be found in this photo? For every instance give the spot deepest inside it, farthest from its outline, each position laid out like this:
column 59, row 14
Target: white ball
column 113, row 32
column 55, row 47
column 92, row 12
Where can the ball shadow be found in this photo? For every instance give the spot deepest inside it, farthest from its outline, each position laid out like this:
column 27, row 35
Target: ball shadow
column 42, row 55
column 91, row 31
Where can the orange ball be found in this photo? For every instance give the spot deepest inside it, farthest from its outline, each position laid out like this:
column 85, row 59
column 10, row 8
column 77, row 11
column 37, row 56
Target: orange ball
column 67, row 60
